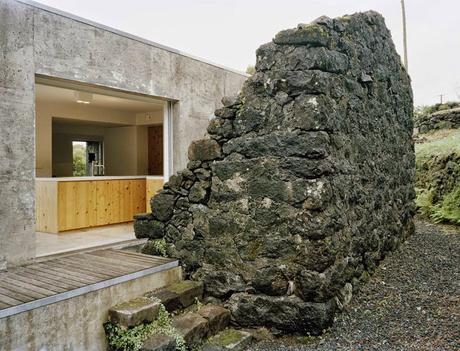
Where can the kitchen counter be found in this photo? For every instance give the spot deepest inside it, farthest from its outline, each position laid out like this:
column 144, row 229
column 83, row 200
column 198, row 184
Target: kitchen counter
column 66, row 203
column 96, row 178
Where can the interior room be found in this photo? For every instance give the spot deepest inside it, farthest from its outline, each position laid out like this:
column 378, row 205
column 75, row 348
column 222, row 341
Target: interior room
column 99, row 158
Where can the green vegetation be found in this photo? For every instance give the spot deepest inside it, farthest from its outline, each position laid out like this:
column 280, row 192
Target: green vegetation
column 132, row 339
column 428, row 109
column 442, row 142
column 79, row 159
column 155, row 247
column 438, row 176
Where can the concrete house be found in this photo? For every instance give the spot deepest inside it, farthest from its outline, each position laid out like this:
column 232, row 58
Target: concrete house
column 92, row 122
column 129, row 106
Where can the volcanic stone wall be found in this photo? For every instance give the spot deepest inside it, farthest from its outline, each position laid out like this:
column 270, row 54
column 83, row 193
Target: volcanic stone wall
column 306, row 181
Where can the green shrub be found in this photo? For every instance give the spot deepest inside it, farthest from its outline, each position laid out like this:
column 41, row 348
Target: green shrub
column 132, row 339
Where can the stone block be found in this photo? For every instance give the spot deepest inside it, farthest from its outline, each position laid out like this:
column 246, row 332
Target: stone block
column 159, row 342
column 169, row 299
column 217, row 316
column 204, row 150
column 134, row 312
column 188, row 291
column 229, row 339
column 192, row 327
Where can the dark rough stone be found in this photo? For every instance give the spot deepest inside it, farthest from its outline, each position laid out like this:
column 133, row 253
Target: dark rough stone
column 444, row 119
column 310, row 173
column 159, row 342
column 198, row 192
column 203, row 150
column 149, row 228
column 162, row 206
column 220, row 283
column 270, row 281
column 288, row 313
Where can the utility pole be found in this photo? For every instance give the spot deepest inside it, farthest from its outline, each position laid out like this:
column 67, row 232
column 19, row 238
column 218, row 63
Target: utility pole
column 440, row 97
column 403, row 8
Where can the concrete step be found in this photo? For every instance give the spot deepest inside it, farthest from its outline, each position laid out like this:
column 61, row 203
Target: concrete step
column 179, row 295
column 229, row 339
column 134, row 312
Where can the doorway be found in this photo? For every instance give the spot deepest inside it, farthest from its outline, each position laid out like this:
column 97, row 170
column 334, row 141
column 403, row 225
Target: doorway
column 155, row 150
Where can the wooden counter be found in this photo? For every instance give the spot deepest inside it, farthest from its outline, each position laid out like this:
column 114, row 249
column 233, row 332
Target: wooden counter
column 72, row 203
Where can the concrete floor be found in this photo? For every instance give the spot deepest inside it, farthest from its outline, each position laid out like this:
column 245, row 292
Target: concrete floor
column 48, row 243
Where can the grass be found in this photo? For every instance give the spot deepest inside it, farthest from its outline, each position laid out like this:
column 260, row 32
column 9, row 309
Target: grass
column 441, row 142
column 438, row 176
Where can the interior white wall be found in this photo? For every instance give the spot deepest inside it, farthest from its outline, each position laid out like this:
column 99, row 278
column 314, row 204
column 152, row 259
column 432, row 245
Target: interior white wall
column 126, row 148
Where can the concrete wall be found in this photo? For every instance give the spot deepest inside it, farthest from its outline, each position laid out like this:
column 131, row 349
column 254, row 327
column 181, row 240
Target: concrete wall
column 77, row 323
column 38, row 41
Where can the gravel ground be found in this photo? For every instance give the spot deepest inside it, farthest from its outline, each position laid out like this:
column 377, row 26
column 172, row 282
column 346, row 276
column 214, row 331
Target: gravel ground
column 412, row 302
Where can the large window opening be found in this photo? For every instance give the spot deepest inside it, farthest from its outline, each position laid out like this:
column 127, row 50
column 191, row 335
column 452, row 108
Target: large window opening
column 100, row 156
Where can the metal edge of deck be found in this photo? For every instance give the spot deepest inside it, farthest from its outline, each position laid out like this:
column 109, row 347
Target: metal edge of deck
column 27, row 306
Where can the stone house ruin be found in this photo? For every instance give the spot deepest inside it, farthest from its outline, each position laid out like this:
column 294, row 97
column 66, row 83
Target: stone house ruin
column 306, row 180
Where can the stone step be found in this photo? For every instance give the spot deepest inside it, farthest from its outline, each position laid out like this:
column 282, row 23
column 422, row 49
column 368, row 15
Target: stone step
column 228, row 339
column 134, row 312
column 218, row 317
column 194, row 327
column 159, row 342
column 179, row 295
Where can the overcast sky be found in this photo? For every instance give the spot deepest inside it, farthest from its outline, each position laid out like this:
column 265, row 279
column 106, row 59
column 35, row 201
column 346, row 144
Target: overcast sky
column 229, row 31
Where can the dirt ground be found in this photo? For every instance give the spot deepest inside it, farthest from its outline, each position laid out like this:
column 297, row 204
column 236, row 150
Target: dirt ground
column 412, row 302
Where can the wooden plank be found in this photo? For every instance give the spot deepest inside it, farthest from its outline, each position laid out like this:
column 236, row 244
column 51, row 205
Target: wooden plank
column 15, row 295
column 38, row 279
column 75, row 271
column 110, row 263
column 138, row 196
column 14, row 282
column 125, row 205
column 41, row 273
column 114, row 262
column 21, row 290
column 67, row 274
column 147, row 258
column 129, row 259
column 3, row 305
column 102, row 202
column 92, row 266
column 152, row 187
column 92, row 204
column 46, row 206
column 9, row 300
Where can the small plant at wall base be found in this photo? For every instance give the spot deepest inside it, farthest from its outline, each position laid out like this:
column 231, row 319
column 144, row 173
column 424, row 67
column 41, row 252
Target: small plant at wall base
column 156, row 248
column 132, row 339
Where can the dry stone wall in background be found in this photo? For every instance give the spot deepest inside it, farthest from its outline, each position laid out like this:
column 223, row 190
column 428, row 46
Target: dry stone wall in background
column 306, row 181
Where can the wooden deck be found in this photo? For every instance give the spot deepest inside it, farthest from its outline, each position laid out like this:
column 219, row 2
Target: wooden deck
column 47, row 282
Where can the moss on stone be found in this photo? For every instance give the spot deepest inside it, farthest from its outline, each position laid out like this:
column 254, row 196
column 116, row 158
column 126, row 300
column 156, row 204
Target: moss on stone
column 227, row 337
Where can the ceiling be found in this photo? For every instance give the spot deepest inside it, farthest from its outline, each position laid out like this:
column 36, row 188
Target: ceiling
column 53, row 94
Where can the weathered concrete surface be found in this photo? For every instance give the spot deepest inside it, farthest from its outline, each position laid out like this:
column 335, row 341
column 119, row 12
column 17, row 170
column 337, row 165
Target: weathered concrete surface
column 17, row 164
column 35, row 41
column 306, row 181
column 77, row 323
